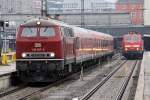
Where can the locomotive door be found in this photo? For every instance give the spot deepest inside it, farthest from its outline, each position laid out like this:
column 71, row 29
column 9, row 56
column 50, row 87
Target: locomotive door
column 68, row 45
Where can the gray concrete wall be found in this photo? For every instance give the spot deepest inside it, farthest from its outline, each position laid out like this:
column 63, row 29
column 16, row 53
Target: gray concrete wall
column 119, row 31
column 103, row 19
column 146, row 12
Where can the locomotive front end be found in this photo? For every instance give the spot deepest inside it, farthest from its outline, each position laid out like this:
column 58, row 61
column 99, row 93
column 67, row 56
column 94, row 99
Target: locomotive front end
column 39, row 51
column 132, row 45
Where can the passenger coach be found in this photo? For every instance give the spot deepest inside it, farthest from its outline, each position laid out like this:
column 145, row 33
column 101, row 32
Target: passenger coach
column 47, row 49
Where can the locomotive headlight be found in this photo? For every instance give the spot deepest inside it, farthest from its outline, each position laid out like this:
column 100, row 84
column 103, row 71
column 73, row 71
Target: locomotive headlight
column 52, row 54
column 127, row 46
column 126, row 49
column 38, row 23
column 137, row 49
column 24, row 55
column 136, row 46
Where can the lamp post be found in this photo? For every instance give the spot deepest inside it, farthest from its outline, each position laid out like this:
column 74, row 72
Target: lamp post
column 82, row 14
column 44, row 8
column 6, row 24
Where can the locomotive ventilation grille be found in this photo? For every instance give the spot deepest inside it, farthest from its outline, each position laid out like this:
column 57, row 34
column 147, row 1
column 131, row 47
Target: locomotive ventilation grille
column 38, row 55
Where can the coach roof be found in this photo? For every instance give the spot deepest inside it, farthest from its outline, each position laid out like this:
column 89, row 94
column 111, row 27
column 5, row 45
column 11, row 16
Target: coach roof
column 131, row 1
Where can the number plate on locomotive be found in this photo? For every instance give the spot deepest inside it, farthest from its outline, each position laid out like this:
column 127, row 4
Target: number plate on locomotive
column 37, row 45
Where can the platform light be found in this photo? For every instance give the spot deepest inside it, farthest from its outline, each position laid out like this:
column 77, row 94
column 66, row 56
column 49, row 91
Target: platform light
column 76, row 98
column 24, row 55
column 6, row 23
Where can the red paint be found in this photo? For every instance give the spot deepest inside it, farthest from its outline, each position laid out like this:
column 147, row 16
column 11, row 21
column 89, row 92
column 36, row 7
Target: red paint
column 132, row 45
column 136, row 11
column 84, row 44
column 52, row 44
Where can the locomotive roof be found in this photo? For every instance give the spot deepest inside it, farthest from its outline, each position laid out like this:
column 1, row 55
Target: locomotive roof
column 44, row 22
column 132, row 34
column 52, row 22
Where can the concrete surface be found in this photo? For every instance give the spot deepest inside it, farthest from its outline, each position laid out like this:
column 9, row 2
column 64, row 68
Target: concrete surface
column 143, row 87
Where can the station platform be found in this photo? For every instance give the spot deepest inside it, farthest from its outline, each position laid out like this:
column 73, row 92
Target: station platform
column 143, row 86
column 6, row 72
column 10, row 65
column 7, row 69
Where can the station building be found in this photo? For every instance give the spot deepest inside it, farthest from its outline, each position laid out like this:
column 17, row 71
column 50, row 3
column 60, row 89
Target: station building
column 146, row 12
column 18, row 10
column 135, row 7
column 74, row 6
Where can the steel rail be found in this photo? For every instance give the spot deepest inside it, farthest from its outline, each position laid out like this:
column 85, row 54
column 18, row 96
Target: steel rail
column 57, row 83
column 126, row 81
column 12, row 90
column 101, row 83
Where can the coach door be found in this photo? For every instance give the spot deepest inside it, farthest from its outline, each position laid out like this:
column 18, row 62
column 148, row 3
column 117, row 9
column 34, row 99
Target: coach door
column 69, row 45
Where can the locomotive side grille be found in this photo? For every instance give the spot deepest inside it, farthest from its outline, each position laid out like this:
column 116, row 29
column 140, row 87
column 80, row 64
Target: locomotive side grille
column 38, row 55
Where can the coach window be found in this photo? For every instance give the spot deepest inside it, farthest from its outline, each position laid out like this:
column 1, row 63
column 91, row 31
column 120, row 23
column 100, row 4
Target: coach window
column 70, row 32
column 67, row 32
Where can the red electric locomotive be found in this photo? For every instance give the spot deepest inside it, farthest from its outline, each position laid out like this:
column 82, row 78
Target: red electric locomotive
column 47, row 48
column 132, row 45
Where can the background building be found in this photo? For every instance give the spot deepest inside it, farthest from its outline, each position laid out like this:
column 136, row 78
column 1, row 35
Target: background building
column 54, row 6
column 15, row 12
column 135, row 7
column 98, row 19
column 20, row 6
column 19, row 10
column 146, row 12
column 74, row 6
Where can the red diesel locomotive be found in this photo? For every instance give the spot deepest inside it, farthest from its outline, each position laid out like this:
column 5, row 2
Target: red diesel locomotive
column 132, row 45
column 47, row 48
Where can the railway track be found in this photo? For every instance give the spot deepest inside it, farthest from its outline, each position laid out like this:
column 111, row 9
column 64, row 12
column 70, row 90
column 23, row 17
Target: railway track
column 22, row 94
column 11, row 90
column 91, row 95
column 125, row 83
column 27, row 92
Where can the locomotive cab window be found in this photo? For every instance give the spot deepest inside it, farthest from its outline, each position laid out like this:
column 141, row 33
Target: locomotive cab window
column 29, row 32
column 131, row 38
column 34, row 31
column 47, row 31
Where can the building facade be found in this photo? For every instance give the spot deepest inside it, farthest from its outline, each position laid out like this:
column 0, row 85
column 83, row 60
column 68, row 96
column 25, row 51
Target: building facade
column 97, row 19
column 146, row 12
column 19, row 10
column 20, row 6
column 15, row 12
column 134, row 7
column 74, row 6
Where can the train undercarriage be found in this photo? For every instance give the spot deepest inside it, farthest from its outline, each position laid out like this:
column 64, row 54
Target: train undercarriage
column 49, row 71
column 133, row 54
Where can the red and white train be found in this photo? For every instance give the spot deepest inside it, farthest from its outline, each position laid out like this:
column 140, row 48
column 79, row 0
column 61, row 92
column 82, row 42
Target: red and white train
column 47, row 48
column 132, row 44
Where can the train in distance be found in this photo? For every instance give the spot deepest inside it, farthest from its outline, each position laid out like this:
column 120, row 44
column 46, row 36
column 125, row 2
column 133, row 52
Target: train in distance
column 132, row 45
